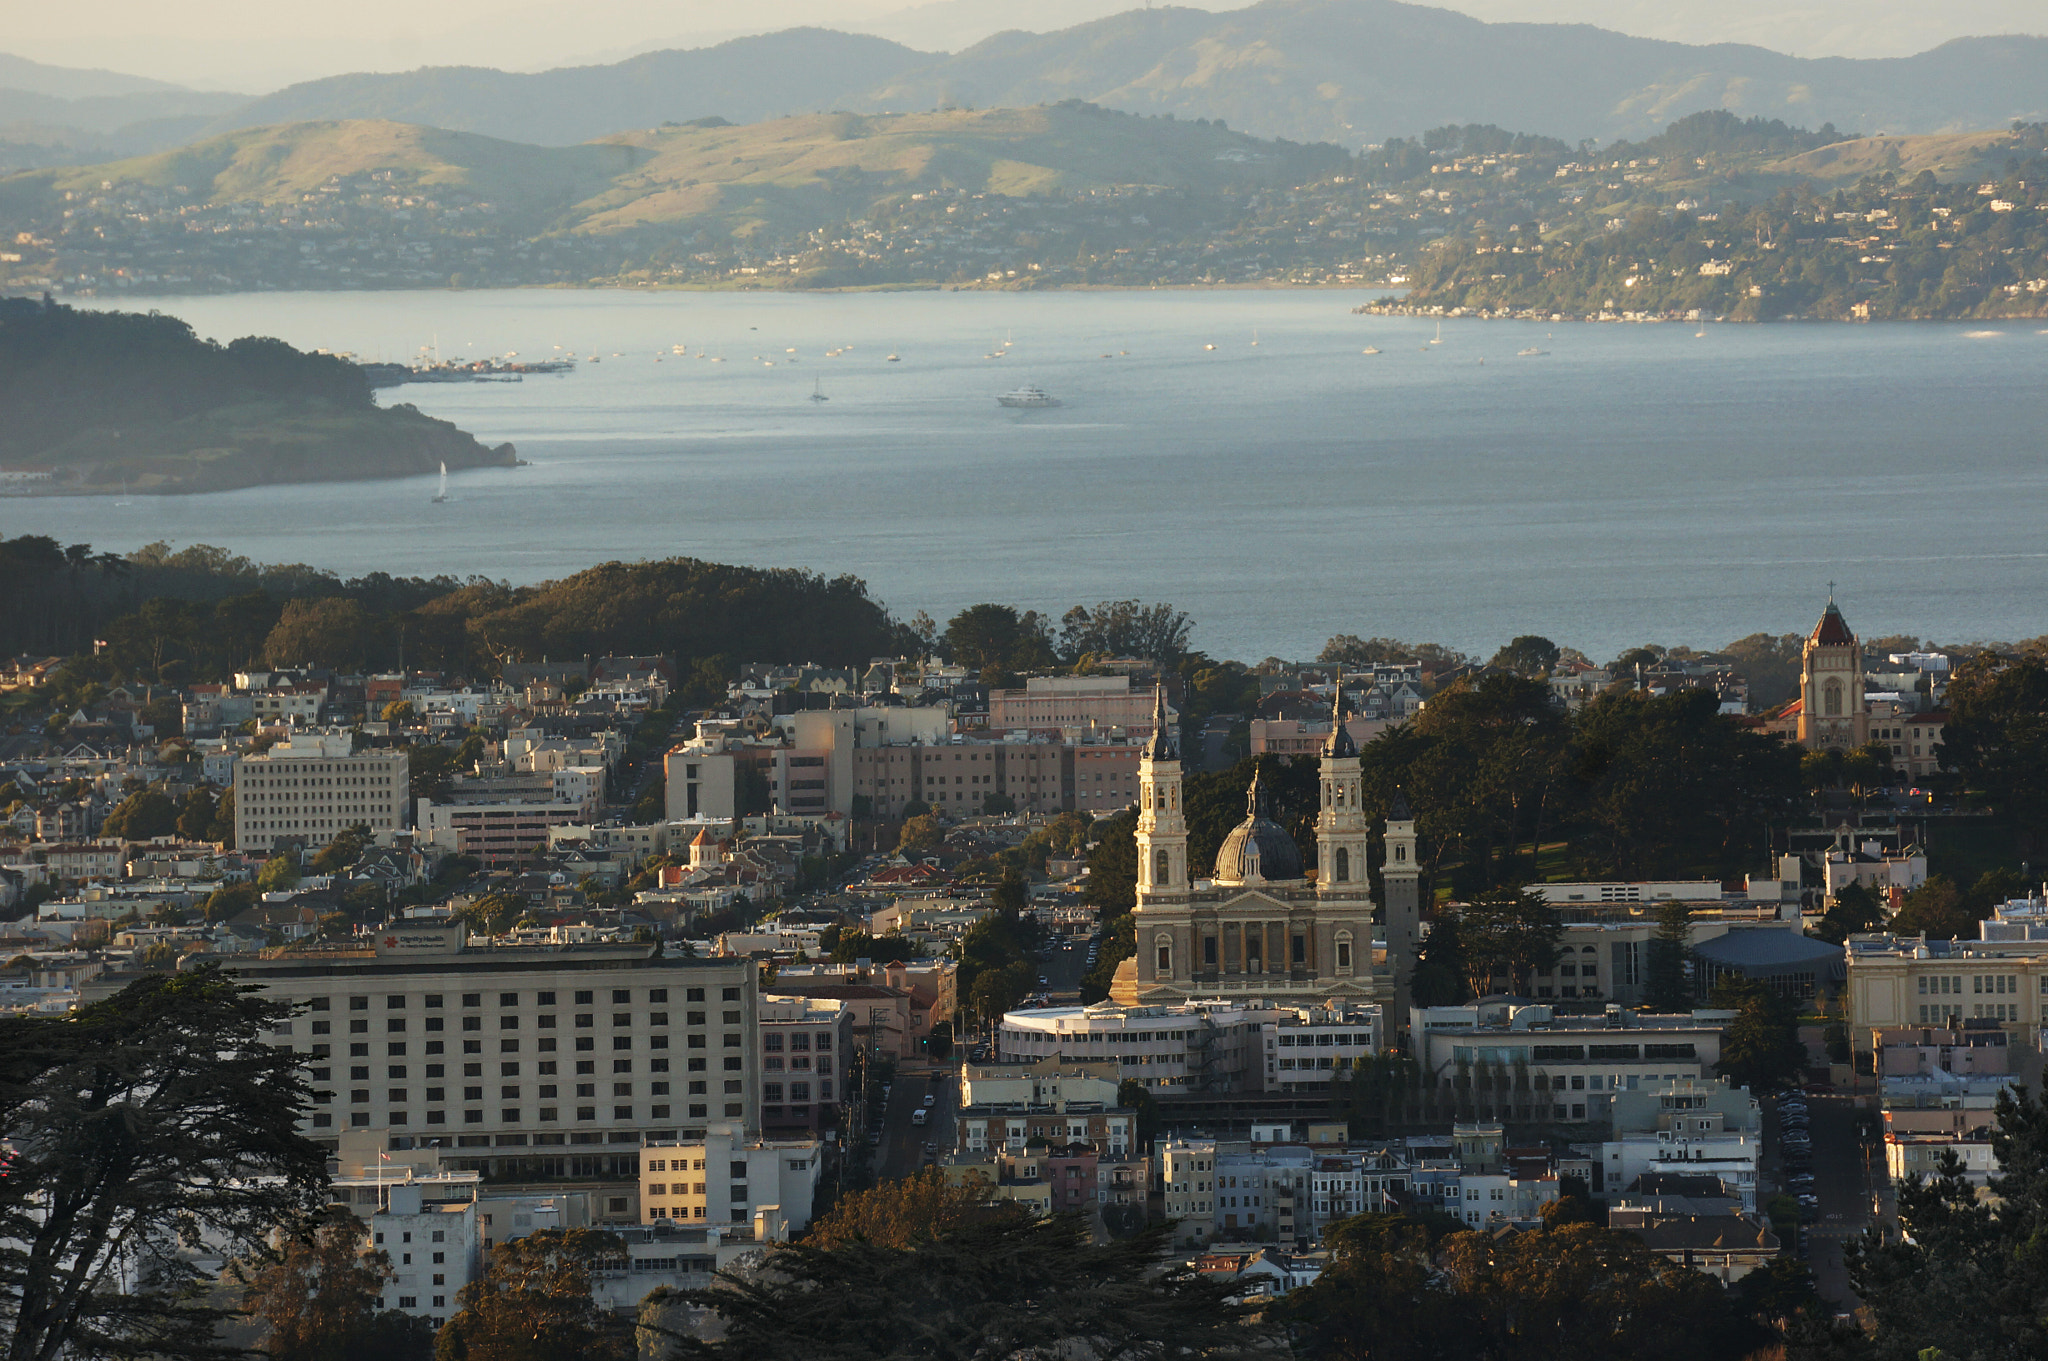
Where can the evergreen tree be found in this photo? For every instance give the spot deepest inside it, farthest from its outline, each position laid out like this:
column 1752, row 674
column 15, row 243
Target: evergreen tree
column 1761, row 1049
column 196, row 814
column 156, row 1116
column 1855, row 909
column 1438, row 978
column 1665, row 988
column 1967, row 1278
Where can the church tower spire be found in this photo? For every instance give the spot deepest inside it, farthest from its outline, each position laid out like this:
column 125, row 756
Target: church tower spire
column 1342, row 832
column 1162, row 825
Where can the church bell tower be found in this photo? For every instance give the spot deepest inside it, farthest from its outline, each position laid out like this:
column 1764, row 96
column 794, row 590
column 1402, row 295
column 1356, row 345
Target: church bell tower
column 1342, row 832
column 1162, row 825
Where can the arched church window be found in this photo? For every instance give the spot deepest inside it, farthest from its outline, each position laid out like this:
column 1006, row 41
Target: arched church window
column 1343, row 952
column 1832, row 703
column 1165, row 958
column 1343, row 873
column 1162, row 867
column 1401, row 852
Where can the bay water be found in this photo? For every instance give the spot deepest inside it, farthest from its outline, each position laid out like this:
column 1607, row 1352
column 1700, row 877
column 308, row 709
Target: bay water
column 1234, row 452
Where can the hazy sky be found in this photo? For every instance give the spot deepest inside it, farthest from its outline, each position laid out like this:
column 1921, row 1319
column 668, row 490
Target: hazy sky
column 255, row 45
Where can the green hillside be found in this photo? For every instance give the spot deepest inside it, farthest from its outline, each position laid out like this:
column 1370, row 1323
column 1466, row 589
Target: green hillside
column 791, row 171
column 800, row 171
column 306, row 163
column 116, row 401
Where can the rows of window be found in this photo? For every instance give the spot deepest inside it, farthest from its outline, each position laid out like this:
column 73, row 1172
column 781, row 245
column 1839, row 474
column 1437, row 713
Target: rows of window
column 1979, row 984
column 472, row 1102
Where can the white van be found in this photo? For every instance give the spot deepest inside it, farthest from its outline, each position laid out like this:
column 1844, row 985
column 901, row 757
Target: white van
column 917, row 1117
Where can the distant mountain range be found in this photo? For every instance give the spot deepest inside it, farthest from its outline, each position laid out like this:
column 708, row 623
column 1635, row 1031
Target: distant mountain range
column 1348, row 71
column 57, row 115
column 1345, row 71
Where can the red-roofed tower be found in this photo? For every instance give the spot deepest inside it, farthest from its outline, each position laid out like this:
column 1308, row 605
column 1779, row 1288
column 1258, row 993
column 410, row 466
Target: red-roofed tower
column 1832, row 711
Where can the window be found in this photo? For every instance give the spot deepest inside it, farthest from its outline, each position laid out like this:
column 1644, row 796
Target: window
column 1342, row 872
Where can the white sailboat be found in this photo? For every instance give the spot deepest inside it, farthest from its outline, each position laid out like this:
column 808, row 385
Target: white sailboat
column 442, row 494
column 1439, row 334
column 818, row 390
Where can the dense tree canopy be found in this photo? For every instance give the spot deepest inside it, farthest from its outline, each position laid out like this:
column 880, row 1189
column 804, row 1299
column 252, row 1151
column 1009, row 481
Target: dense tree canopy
column 1636, row 786
column 996, row 642
column 1124, row 628
column 1002, row 1290
column 200, row 613
column 1401, row 1289
column 1996, row 738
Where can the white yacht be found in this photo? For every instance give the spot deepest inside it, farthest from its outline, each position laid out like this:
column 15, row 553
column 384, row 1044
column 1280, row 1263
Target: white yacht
column 1028, row 397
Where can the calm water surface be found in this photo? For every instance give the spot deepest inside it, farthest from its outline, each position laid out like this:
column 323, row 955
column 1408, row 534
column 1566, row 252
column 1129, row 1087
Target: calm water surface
column 1630, row 483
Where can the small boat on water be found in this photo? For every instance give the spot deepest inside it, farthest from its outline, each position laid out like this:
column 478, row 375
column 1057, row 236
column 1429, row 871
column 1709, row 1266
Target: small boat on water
column 818, row 390
column 1208, row 347
column 894, row 360
column 1439, row 334
column 1524, row 354
column 1370, row 349
column 442, row 494
column 1028, row 398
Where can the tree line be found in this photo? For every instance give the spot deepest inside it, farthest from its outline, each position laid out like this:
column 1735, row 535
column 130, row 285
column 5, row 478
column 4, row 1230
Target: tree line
column 202, row 613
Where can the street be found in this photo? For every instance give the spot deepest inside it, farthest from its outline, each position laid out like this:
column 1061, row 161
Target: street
column 899, row 1149
column 1063, row 970
column 1843, row 1183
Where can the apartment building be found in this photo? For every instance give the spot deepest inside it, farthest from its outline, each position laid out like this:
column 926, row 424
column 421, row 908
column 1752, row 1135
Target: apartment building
column 314, row 785
column 1688, row 1127
column 502, row 818
column 806, row 1044
column 516, row 1060
column 1008, row 1107
column 725, row 1176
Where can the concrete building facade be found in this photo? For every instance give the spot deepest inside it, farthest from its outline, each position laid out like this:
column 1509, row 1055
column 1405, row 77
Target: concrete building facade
column 314, row 785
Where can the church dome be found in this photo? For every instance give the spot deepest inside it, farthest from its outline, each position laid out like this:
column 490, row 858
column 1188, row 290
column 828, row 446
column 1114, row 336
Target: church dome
column 1257, row 849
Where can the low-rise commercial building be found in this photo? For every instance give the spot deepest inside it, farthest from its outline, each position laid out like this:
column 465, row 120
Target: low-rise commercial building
column 1523, row 1062
column 1201, row 1046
